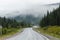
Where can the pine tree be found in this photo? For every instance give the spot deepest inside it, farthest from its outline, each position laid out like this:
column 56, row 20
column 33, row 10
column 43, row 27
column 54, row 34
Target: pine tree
column 52, row 18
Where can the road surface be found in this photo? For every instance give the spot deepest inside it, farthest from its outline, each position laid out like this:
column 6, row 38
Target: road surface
column 28, row 34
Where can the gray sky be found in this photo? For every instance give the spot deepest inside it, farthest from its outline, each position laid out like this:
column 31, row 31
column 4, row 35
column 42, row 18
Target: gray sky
column 9, row 5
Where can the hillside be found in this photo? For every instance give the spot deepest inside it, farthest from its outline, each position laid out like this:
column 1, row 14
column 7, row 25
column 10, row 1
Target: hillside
column 31, row 19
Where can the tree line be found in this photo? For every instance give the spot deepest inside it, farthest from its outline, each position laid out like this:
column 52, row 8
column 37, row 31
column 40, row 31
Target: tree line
column 51, row 19
column 8, row 23
column 12, row 23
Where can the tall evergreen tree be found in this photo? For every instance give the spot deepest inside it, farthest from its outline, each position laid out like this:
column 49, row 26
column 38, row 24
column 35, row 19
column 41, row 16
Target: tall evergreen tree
column 52, row 18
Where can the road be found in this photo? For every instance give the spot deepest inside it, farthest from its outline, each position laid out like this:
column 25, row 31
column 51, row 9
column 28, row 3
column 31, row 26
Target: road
column 28, row 34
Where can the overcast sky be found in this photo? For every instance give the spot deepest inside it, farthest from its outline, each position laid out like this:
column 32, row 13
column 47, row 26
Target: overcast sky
column 6, row 5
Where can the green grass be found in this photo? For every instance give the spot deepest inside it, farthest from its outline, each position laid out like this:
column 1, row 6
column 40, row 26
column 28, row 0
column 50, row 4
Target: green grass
column 51, row 30
column 0, row 31
column 9, row 32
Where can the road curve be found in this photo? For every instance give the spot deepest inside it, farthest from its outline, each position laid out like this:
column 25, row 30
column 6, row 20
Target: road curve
column 28, row 34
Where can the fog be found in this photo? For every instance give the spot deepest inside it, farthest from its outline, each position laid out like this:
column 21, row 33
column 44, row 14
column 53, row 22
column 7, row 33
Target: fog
column 37, row 10
column 16, row 7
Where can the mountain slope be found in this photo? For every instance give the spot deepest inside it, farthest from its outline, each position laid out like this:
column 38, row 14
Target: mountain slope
column 31, row 19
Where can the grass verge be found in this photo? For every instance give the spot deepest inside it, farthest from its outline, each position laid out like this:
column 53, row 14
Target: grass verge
column 9, row 32
column 51, row 30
